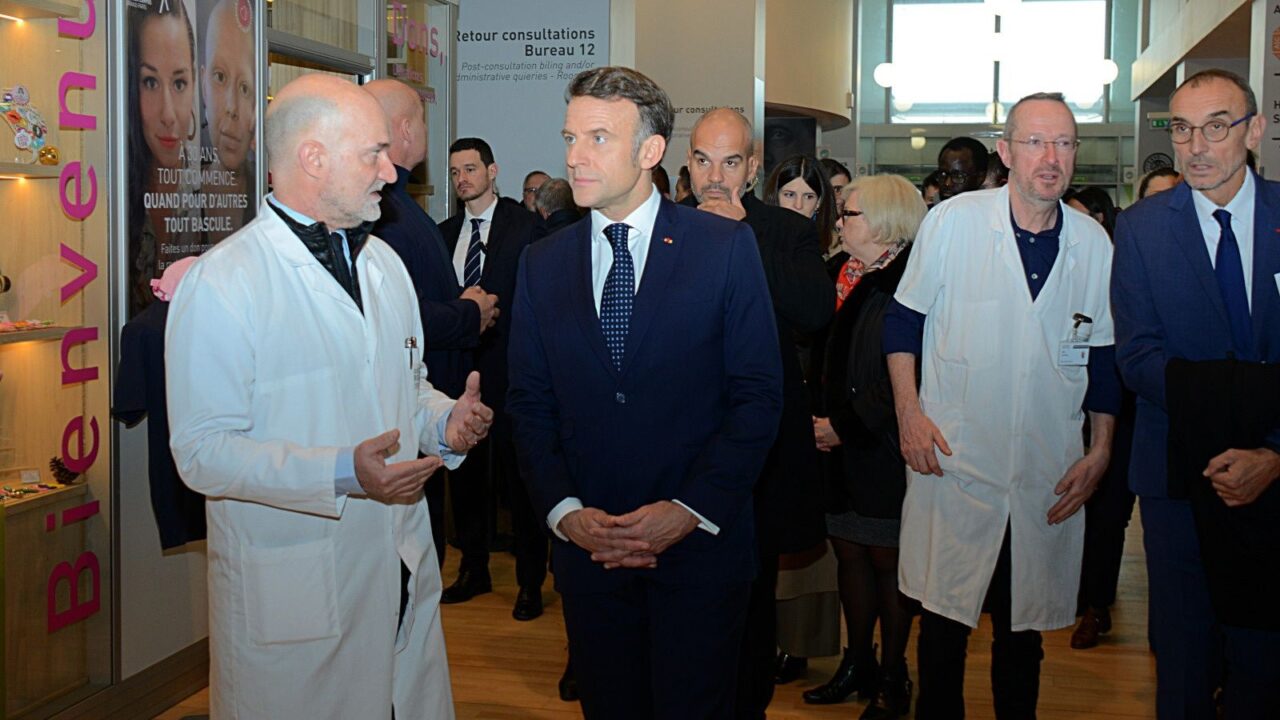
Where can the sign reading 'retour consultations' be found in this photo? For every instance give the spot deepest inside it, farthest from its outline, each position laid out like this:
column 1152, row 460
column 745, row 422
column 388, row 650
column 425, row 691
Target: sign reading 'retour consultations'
column 514, row 61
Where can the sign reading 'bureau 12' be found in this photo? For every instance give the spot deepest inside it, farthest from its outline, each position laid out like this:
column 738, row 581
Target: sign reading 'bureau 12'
column 78, row 579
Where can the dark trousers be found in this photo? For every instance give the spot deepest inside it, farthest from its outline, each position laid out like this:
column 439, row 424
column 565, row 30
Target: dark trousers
column 759, row 643
column 472, row 490
column 471, row 500
column 1184, row 637
column 1106, row 517
column 532, row 536
column 1253, row 673
column 654, row 650
column 1015, row 658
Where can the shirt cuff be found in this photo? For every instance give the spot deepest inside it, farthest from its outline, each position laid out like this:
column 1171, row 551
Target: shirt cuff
column 344, row 474
column 451, row 459
column 562, row 508
column 703, row 523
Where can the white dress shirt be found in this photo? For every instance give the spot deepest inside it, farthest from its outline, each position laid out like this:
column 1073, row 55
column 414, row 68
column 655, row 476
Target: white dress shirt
column 1241, row 209
column 641, row 221
column 464, row 239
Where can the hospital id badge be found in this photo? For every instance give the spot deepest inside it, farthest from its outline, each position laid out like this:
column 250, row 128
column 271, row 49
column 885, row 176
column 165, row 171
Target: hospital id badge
column 1073, row 354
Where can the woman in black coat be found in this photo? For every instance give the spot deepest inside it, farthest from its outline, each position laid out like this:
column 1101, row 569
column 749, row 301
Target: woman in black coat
column 864, row 509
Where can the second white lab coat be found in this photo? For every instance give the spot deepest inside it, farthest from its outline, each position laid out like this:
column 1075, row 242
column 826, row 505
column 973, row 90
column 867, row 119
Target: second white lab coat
column 271, row 370
column 991, row 381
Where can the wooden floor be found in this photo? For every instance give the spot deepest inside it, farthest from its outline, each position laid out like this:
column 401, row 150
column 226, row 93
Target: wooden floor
column 503, row 669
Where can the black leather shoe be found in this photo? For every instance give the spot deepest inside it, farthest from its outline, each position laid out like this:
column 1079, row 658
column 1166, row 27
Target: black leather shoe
column 468, row 585
column 855, row 675
column 1095, row 622
column 789, row 668
column 892, row 699
column 528, row 604
column 568, row 684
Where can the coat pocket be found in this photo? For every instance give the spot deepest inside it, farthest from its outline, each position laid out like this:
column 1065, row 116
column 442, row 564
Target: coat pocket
column 291, row 593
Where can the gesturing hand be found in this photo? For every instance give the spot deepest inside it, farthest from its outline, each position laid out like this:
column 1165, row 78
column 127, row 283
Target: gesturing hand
column 580, row 527
column 659, row 525
column 918, row 437
column 469, row 420
column 395, row 483
column 1077, row 485
column 1240, row 476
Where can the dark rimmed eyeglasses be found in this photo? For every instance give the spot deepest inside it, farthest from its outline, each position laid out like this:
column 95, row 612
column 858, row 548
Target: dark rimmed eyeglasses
column 1213, row 131
column 850, row 213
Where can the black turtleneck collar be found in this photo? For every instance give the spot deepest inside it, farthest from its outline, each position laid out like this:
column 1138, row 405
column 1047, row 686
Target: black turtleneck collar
column 326, row 247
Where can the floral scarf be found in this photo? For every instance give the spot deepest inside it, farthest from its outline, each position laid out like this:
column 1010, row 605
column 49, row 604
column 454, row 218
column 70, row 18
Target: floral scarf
column 853, row 270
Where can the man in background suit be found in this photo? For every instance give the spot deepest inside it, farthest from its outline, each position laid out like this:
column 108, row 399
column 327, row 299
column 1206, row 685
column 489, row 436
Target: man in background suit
column 646, row 389
column 554, row 203
column 485, row 241
column 788, row 496
column 1195, row 278
column 452, row 319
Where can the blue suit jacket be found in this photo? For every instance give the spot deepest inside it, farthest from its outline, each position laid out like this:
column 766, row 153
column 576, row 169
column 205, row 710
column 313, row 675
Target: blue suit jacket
column 1166, row 304
column 693, row 412
column 451, row 325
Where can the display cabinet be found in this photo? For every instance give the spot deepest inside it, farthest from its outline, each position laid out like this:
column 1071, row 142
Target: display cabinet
column 54, row 313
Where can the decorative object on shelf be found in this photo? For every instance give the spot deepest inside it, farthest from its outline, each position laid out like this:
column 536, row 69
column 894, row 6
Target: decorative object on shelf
column 61, row 472
column 19, row 325
column 30, row 131
column 48, row 155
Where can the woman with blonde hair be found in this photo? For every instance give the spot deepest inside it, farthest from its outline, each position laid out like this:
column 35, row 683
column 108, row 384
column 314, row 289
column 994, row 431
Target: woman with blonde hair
column 858, row 425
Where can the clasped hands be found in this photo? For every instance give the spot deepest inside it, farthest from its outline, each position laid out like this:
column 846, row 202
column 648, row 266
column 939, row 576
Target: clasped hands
column 632, row 540
column 402, row 482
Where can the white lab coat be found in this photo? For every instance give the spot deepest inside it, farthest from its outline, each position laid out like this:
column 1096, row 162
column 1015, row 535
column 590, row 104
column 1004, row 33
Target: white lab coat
column 991, row 381
column 271, row 369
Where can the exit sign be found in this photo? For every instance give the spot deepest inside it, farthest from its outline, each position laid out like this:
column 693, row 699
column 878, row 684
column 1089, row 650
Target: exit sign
column 1160, row 123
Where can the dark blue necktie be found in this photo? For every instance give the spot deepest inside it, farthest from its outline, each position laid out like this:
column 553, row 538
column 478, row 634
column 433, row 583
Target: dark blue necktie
column 619, row 294
column 471, row 268
column 1230, row 271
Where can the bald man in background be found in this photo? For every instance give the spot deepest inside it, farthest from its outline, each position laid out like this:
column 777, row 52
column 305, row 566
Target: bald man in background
column 788, row 509
column 227, row 85
column 296, row 410
column 453, row 318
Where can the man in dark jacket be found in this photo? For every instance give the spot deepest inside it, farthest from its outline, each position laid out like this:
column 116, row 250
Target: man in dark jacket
column 485, row 242
column 452, row 319
column 554, row 203
column 788, row 506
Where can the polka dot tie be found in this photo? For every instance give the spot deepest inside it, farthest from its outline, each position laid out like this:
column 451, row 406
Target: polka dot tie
column 619, row 294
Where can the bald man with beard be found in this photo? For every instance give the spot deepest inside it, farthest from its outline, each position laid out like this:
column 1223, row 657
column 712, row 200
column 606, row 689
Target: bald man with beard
column 788, row 509
column 297, row 412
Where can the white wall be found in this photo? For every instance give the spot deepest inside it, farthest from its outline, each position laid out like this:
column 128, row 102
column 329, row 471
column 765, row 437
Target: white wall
column 163, row 595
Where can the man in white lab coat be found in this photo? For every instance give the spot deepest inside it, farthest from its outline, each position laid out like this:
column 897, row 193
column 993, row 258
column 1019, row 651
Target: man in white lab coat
column 1004, row 305
column 298, row 409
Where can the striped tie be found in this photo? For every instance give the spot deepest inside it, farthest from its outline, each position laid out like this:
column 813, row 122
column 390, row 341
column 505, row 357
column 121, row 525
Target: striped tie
column 471, row 269
column 619, row 294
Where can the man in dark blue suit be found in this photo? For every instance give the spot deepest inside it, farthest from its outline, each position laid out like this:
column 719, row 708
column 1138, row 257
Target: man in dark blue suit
column 1195, row 278
column 646, row 390
column 452, row 319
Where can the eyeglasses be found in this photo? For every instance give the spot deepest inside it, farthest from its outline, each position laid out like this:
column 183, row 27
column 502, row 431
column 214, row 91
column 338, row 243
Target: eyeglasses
column 1213, row 131
column 850, row 213
column 530, row 191
column 1036, row 145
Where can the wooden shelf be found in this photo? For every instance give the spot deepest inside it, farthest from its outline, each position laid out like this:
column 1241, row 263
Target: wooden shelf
column 53, row 332
column 37, row 9
column 34, row 172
